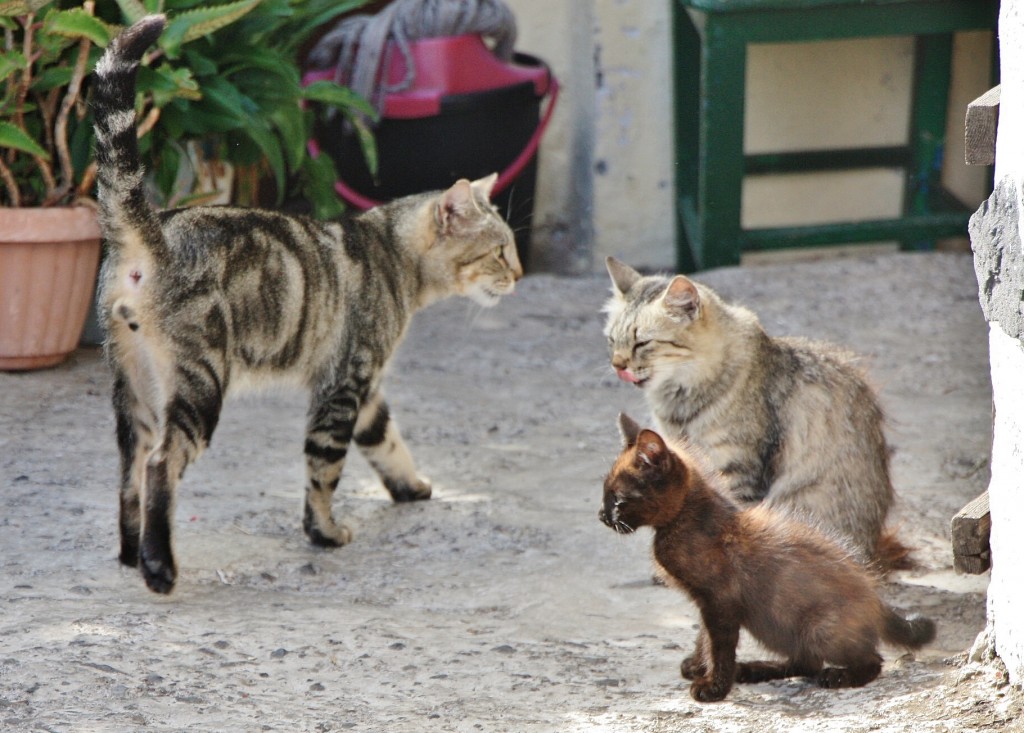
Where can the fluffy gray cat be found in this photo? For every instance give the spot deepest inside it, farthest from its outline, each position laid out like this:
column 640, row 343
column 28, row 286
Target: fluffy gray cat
column 786, row 421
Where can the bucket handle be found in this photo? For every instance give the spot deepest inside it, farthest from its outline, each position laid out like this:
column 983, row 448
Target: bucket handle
column 504, row 178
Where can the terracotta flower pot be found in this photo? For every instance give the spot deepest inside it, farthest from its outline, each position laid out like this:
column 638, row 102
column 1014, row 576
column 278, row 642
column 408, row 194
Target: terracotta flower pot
column 48, row 264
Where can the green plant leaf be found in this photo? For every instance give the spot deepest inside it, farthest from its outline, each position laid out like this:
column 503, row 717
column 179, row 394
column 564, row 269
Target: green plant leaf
column 51, row 78
column 76, row 23
column 12, row 136
column 20, row 7
column 192, row 24
column 367, row 142
column 318, row 176
column 335, row 95
column 11, row 62
column 132, row 10
column 315, row 15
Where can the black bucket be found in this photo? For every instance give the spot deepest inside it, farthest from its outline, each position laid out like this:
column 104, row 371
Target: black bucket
column 467, row 115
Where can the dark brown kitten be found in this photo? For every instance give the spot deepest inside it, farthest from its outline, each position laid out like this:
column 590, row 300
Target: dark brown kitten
column 795, row 590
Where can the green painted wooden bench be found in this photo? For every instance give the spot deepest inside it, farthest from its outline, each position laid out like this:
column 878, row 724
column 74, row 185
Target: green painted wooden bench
column 710, row 39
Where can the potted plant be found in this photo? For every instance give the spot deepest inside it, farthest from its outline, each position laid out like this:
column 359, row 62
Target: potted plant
column 237, row 100
column 49, row 240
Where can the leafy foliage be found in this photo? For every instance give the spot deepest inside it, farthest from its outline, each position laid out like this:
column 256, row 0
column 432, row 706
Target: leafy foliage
column 225, row 76
column 228, row 77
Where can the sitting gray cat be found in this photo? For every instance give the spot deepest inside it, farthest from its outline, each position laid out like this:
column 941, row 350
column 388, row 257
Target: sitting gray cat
column 786, row 421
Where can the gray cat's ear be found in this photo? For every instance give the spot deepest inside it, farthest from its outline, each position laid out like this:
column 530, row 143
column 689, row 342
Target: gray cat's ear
column 650, row 448
column 485, row 185
column 455, row 203
column 629, row 429
column 623, row 276
column 681, row 299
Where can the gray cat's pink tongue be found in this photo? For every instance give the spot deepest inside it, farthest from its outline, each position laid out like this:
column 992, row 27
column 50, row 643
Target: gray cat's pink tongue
column 627, row 376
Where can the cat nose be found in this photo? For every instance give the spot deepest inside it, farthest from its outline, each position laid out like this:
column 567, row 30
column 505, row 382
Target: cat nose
column 619, row 362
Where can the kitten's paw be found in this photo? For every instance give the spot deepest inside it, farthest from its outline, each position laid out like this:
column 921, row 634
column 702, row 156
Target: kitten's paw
column 705, row 689
column 692, row 668
column 403, row 491
column 835, row 677
column 157, row 570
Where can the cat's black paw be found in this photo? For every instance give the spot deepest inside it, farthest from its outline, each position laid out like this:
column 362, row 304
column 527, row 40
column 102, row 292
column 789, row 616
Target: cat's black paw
column 835, row 677
column 705, row 689
column 129, row 556
column 404, row 491
column 158, row 570
column 692, row 668
column 832, row 678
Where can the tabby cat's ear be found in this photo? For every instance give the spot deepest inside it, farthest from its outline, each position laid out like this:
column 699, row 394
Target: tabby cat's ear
column 681, row 299
column 651, row 449
column 629, row 429
column 623, row 276
column 455, row 203
column 485, row 185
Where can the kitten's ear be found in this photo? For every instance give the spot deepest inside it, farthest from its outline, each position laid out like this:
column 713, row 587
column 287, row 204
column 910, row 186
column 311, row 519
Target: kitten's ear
column 456, row 202
column 651, row 449
column 485, row 185
column 681, row 299
column 629, row 429
column 623, row 276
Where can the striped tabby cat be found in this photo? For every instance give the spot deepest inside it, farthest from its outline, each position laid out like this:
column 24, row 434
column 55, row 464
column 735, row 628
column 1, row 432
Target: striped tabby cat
column 201, row 302
column 787, row 421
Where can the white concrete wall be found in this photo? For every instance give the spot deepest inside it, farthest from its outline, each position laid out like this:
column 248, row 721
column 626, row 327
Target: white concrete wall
column 1006, row 499
column 1006, row 490
column 606, row 178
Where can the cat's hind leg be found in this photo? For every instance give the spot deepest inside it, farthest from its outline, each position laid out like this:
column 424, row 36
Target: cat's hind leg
column 764, row 671
column 187, row 427
column 134, row 442
column 380, row 442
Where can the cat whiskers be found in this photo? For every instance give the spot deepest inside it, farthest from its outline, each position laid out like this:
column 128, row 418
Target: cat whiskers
column 622, row 528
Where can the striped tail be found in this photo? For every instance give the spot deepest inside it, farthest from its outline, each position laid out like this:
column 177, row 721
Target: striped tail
column 127, row 218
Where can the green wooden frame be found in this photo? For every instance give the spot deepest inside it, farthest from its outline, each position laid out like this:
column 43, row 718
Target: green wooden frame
column 710, row 39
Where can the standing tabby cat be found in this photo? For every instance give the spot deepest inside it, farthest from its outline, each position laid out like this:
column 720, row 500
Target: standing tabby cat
column 200, row 302
column 787, row 421
column 794, row 590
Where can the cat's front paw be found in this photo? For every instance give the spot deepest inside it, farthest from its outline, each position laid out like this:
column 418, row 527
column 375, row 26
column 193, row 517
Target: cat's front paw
column 337, row 535
column 706, row 689
column 402, row 491
column 692, row 668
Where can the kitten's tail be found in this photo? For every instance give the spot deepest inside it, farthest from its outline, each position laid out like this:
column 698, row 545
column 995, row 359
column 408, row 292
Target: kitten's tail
column 912, row 632
column 128, row 220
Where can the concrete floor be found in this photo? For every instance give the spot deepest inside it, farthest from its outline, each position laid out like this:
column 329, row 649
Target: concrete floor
column 502, row 604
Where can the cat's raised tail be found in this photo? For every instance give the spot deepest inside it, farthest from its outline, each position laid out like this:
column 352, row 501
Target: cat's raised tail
column 127, row 218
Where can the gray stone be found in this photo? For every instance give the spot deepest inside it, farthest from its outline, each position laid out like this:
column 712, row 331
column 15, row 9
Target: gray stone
column 999, row 259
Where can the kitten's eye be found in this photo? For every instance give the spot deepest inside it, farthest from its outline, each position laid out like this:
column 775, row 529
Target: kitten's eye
column 640, row 345
column 499, row 251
